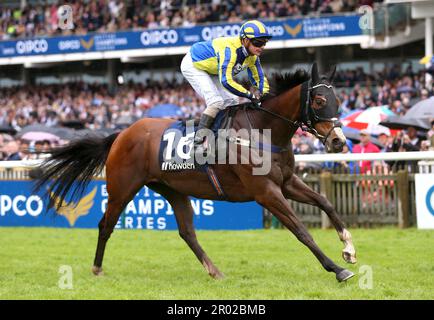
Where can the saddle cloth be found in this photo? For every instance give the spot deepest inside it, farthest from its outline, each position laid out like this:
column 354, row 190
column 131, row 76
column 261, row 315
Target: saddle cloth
column 176, row 147
column 175, row 153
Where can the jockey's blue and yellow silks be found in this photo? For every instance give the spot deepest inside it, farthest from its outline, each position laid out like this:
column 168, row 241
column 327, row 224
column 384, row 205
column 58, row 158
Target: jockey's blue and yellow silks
column 226, row 57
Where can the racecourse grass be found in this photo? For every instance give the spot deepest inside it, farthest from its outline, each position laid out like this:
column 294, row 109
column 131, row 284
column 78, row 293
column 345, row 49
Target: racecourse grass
column 260, row 264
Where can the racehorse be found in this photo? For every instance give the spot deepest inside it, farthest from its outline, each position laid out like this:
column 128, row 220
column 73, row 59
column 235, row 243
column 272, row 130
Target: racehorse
column 131, row 161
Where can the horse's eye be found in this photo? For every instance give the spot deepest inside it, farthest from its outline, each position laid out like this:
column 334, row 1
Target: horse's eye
column 319, row 101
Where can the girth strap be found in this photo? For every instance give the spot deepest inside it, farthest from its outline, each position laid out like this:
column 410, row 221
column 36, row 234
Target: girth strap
column 215, row 183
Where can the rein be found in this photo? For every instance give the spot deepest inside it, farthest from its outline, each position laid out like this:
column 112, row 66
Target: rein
column 308, row 116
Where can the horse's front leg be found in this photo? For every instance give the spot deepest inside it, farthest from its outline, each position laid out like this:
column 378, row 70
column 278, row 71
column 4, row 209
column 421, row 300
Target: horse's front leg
column 295, row 189
column 272, row 198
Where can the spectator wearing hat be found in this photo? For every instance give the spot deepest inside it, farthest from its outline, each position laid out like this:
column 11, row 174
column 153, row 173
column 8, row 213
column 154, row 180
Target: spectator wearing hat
column 365, row 146
column 383, row 138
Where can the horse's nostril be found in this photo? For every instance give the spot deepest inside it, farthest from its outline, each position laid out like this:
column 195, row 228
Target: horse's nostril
column 336, row 141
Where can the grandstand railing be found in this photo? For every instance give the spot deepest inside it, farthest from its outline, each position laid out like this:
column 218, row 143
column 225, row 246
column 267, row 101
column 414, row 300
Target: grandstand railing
column 383, row 195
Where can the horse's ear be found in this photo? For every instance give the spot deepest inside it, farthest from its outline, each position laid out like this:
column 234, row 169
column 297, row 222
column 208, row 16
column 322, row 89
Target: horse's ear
column 314, row 75
column 331, row 74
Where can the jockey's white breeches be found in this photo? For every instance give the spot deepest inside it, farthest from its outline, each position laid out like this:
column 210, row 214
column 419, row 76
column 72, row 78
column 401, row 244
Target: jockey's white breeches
column 207, row 87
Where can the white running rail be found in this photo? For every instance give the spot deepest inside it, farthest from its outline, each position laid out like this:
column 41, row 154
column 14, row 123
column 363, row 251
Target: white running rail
column 387, row 156
column 425, row 158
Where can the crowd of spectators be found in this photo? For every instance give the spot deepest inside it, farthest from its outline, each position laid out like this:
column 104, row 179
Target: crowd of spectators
column 91, row 104
column 358, row 91
column 115, row 15
column 95, row 107
column 390, row 86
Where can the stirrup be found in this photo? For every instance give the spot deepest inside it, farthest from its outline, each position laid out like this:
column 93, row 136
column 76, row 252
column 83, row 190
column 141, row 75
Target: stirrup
column 198, row 142
column 200, row 147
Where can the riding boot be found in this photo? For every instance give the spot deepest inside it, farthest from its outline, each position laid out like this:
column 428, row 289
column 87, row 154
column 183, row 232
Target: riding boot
column 205, row 122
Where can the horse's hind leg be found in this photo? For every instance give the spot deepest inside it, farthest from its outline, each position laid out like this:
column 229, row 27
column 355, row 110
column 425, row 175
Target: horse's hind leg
column 184, row 217
column 105, row 226
column 295, row 189
column 121, row 190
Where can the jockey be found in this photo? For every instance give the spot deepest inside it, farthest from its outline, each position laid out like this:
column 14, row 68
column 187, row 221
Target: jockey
column 210, row 66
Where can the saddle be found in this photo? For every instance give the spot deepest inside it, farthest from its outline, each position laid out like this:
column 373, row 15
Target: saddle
column 176, row 145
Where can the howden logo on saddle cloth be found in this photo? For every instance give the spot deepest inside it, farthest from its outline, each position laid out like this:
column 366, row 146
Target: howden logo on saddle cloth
column 176, row 145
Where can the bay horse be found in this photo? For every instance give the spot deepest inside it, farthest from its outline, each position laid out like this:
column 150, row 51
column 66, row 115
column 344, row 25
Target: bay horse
column 131, row 161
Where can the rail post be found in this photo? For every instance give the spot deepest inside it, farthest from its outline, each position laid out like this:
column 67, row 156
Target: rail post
column 403, row 199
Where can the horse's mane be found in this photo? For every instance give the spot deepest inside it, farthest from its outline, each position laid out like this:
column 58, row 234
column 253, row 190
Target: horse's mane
column 280, row 83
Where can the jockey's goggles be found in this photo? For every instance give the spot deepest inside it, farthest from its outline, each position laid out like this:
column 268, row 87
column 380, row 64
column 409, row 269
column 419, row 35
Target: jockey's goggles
column 258, row 42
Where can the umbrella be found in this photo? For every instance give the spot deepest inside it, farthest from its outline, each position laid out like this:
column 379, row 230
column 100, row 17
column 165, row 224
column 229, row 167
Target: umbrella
column 362, row 119
column 398, row 122
column 60, row 132
column 35, row 128
column 74, row 124
column 99, row 133
column 424, row 109
column 126, row 119
column 106, row 131
column 7, row 128
column 377, row 129
column 354, row 135
column 63, row 133
column 39, row 136
column 167, row 110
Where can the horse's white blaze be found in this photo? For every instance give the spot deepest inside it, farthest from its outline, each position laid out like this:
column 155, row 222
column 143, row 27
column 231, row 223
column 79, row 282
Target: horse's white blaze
column 340, row 134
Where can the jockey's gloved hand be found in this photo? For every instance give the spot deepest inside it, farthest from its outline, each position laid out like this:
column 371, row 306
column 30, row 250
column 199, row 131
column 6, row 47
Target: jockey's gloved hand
column 256, row 101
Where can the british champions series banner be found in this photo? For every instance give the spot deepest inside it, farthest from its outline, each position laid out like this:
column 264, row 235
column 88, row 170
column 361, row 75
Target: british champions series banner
column 148, row 210
column 288, row 29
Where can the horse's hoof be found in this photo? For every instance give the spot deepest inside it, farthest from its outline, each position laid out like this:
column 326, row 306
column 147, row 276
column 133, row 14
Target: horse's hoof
column 217, row 275
column 344, row 275
column 97, row 271
column 349, row 257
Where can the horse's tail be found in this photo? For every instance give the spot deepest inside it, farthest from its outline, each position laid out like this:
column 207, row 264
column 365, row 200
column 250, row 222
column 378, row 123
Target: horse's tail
column 72, row 167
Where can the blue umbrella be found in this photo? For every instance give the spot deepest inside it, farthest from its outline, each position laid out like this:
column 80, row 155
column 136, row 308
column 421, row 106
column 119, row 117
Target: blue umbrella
column 166, row 110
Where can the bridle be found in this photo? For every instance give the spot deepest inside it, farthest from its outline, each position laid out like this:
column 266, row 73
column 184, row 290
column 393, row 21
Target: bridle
column 308, row 115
